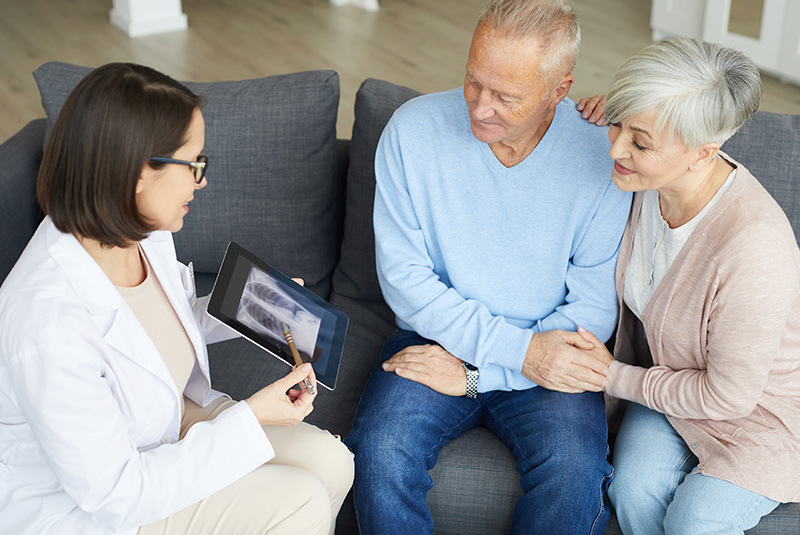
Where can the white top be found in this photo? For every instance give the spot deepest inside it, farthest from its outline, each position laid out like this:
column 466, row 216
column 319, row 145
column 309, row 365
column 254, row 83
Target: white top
column 655, row 247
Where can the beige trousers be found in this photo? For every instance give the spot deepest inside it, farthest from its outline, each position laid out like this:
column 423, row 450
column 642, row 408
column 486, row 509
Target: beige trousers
column 299, row 491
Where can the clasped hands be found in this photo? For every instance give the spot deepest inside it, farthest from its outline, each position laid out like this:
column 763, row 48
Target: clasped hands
column 565, row 361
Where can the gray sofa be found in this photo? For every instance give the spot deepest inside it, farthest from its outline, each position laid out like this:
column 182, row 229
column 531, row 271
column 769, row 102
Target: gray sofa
column 283, row 186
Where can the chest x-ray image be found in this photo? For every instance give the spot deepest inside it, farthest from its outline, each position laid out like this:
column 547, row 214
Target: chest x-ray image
column 266, row 303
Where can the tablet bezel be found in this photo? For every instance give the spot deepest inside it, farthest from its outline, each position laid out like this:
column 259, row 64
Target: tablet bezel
column 227, row 288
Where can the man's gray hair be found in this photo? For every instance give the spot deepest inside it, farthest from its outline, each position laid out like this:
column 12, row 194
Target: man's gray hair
column 552, row 22
column 703, row 91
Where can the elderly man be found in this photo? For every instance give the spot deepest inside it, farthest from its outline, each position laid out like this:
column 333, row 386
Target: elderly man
column 497, row 228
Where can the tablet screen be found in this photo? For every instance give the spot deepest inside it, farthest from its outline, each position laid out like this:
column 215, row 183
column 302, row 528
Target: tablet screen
column 257, row 300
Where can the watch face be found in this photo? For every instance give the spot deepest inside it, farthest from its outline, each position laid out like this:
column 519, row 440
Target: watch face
column 469, row 366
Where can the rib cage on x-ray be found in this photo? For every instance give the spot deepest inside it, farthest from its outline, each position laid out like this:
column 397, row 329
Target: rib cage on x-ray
column 265, row 305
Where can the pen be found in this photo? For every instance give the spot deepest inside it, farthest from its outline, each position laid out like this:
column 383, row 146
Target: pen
column 296, row 354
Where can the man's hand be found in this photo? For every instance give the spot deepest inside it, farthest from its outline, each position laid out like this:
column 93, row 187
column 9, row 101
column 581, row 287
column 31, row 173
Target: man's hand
column 561, row 360
column 431, row 366
column 593, row 109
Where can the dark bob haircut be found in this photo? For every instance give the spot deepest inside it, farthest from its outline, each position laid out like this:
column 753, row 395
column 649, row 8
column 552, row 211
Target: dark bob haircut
column 117, row 118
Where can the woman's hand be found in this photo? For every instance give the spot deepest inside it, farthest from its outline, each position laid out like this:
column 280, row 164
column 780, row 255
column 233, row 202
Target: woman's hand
column 432, row 366
column 561, row 360
column 599, row 351
column 593, row 109
column 280, row 404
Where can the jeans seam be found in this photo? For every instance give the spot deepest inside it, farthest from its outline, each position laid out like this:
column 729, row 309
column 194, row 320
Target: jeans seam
column 439, row 445
column 605, row 478
column 477, row 408
column 677, row 471
column 502, row 420
column 752, row 508
column 756, row 503
column 609, row 477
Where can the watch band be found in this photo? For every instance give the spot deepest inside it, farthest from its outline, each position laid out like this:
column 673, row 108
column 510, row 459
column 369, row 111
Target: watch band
column 472, row 379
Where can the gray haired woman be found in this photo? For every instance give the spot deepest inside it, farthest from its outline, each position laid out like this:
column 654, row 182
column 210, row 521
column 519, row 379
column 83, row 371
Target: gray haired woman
column 707, row 350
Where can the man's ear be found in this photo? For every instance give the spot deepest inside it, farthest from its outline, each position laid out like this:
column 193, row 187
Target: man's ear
column 561, row 89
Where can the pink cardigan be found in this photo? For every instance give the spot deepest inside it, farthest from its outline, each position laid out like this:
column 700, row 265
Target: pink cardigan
column 723, row 329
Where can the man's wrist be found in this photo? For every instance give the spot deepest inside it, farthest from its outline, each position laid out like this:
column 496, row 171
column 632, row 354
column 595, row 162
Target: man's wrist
column 472, row 374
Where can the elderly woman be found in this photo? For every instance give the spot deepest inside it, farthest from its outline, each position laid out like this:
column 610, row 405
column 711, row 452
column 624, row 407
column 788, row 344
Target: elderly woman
column 708, row 344
column 108, row 423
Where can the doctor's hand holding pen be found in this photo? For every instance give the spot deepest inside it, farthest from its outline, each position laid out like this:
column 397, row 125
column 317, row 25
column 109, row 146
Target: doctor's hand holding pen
column 280, row 403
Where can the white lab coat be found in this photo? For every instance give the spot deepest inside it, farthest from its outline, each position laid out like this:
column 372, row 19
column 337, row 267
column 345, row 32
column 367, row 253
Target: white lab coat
column 89, row 414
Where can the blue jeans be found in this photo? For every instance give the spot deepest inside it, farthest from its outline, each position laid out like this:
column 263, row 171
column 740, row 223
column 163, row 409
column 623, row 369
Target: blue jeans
column 559, row 441
column 656, row 489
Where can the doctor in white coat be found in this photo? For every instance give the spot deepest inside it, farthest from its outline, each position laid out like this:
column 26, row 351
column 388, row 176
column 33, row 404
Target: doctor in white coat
column 108, row 423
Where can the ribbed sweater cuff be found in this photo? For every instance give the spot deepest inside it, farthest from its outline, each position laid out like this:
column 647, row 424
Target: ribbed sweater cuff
column 626, row 382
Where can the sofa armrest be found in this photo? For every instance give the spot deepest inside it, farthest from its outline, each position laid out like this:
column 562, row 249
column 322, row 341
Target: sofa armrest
column 19, row 212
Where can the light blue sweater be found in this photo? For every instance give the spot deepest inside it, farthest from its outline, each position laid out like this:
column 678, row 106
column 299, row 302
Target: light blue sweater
column 477, row 256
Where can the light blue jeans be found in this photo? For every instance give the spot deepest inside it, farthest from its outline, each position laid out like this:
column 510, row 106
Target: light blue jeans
column 656, row 489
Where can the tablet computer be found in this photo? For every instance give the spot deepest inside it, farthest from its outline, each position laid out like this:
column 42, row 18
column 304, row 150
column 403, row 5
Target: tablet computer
column 256, row 300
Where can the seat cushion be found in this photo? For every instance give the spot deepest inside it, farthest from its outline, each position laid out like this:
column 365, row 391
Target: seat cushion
column 476, row 485
column 271, row 144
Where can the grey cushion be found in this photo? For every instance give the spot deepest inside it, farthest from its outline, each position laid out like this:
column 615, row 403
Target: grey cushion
column 19, row 213
column 355, row 275
column 785, row 520
column 272, row 185
column 475, row 478
column 366, row 333
column 768, row 144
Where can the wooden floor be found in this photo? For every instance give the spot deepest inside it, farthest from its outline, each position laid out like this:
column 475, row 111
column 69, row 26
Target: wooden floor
column 418, row 43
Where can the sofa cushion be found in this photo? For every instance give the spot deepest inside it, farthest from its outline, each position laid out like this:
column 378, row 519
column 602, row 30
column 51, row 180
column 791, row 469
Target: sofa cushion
column 271, row 144
column 768, row 144
column 19, row 213
column 480, row 470
column 355, row 275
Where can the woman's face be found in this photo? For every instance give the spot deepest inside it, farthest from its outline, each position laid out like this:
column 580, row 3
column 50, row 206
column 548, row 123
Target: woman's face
column 163, row 195
column 641, row 162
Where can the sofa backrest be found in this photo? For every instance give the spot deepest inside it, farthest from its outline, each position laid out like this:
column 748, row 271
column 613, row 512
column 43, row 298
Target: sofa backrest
column 273, row 159
column 19, row 213
column 272, row 175
column 768, row 144
column 355, row 276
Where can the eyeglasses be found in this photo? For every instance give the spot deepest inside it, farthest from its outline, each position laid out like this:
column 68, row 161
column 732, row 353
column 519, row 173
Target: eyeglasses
column 199, row 167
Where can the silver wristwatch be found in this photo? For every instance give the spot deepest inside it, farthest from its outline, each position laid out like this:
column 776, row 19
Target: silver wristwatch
column 472, row 379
